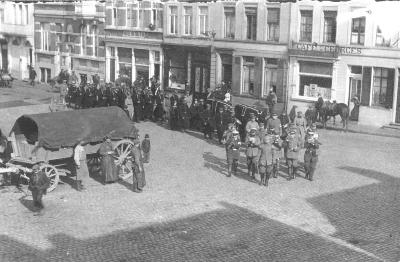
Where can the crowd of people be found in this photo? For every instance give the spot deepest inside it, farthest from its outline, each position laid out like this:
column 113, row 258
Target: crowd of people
column 271, row 140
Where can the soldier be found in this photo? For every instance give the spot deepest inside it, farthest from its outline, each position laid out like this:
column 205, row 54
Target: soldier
column 301, row 126
column 252, row 142
column 271, row 99
column 311, row 154
column 137, row 108
column 159, row 110
column 207, row 124
column 276, row 152
column 139, row 180
column 310, row 115
column 284, row 120
column 184, row 115
column 251, row 124
column 232, row 151
column 79, row 97
column 174, row 117
column 265, row 160
column 38, row 185
column 262, row 131
column 219, row 123
column 292, row 152
column 113, row 97
column 274, row 123
column 194, row 115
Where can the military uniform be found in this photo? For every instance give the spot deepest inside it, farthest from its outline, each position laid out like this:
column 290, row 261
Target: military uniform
column 274, row 124
column 137, row 107
column 311, row 154
column 265, row 160
column 232, row 151
column 293, row 146
column 253, row 142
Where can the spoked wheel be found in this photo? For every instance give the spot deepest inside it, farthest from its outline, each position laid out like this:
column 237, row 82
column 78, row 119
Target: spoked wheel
column 52, row 173
column 124, row 159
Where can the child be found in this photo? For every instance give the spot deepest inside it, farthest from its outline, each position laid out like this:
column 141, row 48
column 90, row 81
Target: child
column 146, row 148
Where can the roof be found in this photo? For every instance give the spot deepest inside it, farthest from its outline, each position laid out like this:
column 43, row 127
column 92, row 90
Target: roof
column 64, row 129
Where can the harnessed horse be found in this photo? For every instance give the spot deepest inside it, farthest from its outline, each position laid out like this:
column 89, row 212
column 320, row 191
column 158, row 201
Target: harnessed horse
column 327, row 109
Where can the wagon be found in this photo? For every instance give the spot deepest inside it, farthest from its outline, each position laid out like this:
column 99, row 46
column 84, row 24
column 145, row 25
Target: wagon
column 6, row 80
column 49, row 139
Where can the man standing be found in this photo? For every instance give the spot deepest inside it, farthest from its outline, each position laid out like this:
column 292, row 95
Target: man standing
column 32, row 75
column 276, row 152
column 137, row 108
column 272, row 99
column 38, row 185
column 252, row 142
column 274, row 123
column 265, row 160
column 232, row 150
column 311, row 155
column 207, row 126
column 292, row 152
column 139, row 180
column 82, row 172
column 251, row 124
column 219, row 123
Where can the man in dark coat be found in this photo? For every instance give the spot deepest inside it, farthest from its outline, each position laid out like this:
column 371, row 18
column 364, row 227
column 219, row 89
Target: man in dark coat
column 311, row 155
column 272, row 99
column 32, row 75
column 139, row 180
column 184, row 115
column 159, row 110
column 79, row 97
column 38, row 185
column 148, row 105
column 207, row 122
column 219, row 124
column 293, row 147
column 137, row 107
column 274, row 123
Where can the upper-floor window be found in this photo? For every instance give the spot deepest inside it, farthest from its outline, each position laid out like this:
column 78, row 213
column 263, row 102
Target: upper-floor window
column 251, row 15
column 132, row 15
column 83, row 39
column 114, row 16
column 248, row 77
column 229, row 22
column 144, row 14
column 188, row 20
column 173, row 20
column 380, row 39
column 44, row 36
column 273, row 24
column 157, row 15
column 306, row 25
column 203, row 20
column 330, row 26
column 358, row 31
column 91, row 41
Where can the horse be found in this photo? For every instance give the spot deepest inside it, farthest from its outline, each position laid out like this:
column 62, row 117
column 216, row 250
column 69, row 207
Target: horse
column 328, row 109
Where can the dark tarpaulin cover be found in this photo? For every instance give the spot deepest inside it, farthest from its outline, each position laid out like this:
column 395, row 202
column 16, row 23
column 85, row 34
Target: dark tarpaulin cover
column 64, row 129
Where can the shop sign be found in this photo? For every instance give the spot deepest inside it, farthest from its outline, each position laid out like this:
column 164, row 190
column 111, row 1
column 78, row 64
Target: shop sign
column 318, row 50
column 136, row 34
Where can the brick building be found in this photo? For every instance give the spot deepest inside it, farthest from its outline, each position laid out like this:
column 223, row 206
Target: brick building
column 17, row 38
column 133, row 38
column 70, row 36
column 339, row 50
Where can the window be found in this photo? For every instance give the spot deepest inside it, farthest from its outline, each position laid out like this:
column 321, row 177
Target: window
column 315, row 78
column 251, row 15
column 83, row 39
column 358, row 31
column 173, row 20
column 229, row 22
column 248, row 75
column 226, row 68
column 157, row 15
column 44, row 36
column 188, row 20
column 273, row 24
column 132, row 15
column 114, row 16
column 382, row 90
column 91, row 42
column 20, row 15
column 270, row 75
column 203, row 20
column 330, row 26
column 306, row 25
column 2, row 16
column 144, row 14
column 380, row 40
column 26, row 15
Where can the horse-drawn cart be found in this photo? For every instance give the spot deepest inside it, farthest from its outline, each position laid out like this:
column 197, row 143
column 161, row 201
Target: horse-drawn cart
column 49, row 139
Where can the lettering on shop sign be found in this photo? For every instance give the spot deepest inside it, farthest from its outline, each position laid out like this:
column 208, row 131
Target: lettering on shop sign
column 314, row 49
column 136, row 34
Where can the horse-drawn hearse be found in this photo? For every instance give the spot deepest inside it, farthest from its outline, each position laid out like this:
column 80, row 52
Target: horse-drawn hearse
column 49, row 139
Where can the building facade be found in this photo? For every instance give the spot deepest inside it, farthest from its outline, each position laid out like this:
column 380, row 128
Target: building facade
column 70, row 36
column 338, row 50
column 133, row 38
column 17, row 38
column 244, row 43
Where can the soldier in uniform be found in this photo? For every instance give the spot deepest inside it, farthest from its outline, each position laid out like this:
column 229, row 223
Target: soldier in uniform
column 276, row 152
column 251, row 124
column 79, row 97
column 300, row 123
column 137, row 108
column 232, row 146
column 220, row 124
column 271, row 100
column 292, row 152
column 265, row 159
column 38, row 185
column 311, row 154
column 114, row 97
column 207, row 124
column 310, row 115
column 274, row 123
column 252, row 142
column 139, row 180
column 262, row 131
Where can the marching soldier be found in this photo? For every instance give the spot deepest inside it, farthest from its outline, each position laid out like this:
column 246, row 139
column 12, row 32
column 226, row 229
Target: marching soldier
column 232, row 151
column 292, row 152
column 265, row 160
column 253, row 142
column 311, row 155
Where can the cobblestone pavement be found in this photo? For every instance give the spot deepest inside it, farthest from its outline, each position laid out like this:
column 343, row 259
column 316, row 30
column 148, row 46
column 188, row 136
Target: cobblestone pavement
column 190, row 211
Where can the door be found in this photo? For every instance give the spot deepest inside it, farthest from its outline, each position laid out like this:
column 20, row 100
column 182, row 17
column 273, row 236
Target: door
column 112, row 70
column 397, row 120
column 200, row 81
column 48, row 75
column 23, row 67
column 354, row 90
column 4, row 55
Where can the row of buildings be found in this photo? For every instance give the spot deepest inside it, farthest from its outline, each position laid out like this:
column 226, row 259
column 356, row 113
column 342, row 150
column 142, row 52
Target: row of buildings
column 302, row 49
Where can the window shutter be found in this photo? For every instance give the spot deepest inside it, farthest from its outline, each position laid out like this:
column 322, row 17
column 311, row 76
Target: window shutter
column 108, row 16
column 236, row 76
column 366, row 86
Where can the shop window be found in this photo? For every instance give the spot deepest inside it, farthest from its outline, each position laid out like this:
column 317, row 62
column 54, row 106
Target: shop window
column 203, row 20
column 270, row 75
column 251, row 16
column 358, row 31
column 188, row 20
column 226, row 68
column 306, row 25
column 356, row 70
column 315, row 78
column 330, row 26
column 141, row 57
column 273, row 24
column 125, row 61
column 229, row 22
column 380, row 40
column 44, row 36
column 382, row 89
column 248, row 75
column 173, row 20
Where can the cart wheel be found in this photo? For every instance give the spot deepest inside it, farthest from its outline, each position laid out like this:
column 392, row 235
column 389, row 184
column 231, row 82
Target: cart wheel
column 123, row 159
column 52, row 173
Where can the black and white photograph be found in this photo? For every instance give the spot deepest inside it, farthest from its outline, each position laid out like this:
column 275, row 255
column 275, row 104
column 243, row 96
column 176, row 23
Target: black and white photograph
column 199, row 130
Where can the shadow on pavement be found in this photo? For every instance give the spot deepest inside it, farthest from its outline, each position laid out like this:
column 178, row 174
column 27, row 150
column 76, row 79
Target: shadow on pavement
column 230, row 233
column 368, row 216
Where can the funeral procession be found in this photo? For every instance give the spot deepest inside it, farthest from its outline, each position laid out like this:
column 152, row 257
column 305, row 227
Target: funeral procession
column 214, row 130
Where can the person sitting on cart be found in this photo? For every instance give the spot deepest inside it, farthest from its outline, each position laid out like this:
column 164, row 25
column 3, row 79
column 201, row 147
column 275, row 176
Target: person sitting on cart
column 38, row 185
column 109, row 170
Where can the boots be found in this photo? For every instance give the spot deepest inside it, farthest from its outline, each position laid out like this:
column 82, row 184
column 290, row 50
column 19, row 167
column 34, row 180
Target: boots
column 276, row 170
column 294, row 172
column 262, row 181
column 234, row 167
column 290, row 171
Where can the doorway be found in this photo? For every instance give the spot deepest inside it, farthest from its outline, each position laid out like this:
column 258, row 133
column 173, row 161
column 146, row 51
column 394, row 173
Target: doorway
column 200, row 81
column 354, row 90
